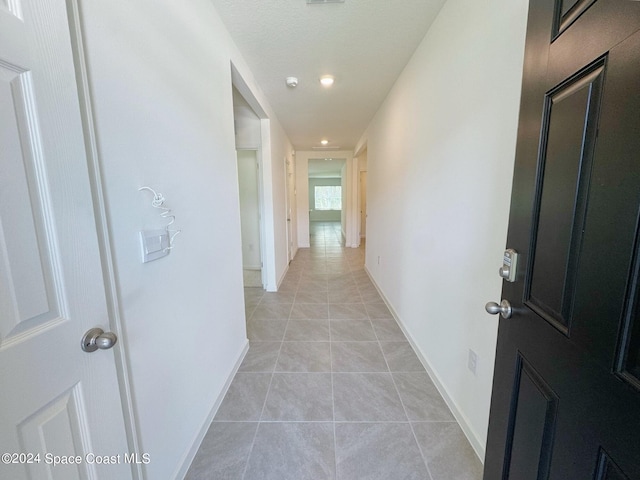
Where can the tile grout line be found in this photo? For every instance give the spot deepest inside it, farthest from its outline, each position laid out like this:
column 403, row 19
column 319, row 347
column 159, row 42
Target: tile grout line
column 335, row 440
column 333, row 406
column 392, row 422
column 354, row 264
column 415, row 438
column 264, row 404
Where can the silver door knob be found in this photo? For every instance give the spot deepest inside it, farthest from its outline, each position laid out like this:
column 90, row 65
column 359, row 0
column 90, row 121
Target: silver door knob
column 96, row 338
column 504, row 308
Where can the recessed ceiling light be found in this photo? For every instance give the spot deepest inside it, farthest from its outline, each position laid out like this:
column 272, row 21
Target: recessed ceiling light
column 324, row 142
column 327, row 80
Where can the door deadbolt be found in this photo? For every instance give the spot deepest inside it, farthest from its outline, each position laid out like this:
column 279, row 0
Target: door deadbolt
column 509, row 265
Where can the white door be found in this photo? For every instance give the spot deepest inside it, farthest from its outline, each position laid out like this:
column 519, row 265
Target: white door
column 249, row 210
column 289, row 201
column 56, row 400
column 363, row 204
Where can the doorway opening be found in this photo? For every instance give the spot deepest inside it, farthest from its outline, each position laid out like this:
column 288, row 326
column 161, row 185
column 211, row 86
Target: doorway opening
column 248, row 144
column 326, row 199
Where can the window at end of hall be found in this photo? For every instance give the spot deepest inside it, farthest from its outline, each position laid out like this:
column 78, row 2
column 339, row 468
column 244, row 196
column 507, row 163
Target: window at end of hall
column 328, row 197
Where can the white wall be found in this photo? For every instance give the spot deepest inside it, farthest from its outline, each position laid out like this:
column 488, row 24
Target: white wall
column 440, row 162
column 160, row 75
column 246, row 124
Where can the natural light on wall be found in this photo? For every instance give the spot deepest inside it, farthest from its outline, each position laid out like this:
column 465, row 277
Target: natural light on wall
column 328, row 197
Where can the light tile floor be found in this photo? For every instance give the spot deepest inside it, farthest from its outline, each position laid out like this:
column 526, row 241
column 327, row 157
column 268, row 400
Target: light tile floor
column 330, row 387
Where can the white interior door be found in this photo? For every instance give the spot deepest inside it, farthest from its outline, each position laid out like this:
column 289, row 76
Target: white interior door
column 363, row 204
column 250, row 217
column 290, row 202
column 56, row 399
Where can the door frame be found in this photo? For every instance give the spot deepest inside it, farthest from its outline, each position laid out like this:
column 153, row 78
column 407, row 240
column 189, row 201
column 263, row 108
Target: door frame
column 349, row 195
column 103, row 230
column 265, row 179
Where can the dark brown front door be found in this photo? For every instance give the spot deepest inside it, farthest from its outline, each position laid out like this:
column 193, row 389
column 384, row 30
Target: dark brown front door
column 566, row 394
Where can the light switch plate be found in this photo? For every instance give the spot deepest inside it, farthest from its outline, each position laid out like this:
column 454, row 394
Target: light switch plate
column 155, row 244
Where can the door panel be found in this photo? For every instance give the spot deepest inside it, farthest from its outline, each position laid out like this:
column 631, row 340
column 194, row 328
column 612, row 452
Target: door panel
column 531, row 426
column 564, row 167
column 29, row 299
column 628, row 365
column 56, row 399
column 568, row 12
column 12, row 7
column 601, row 26
column 608, row 470
column 566, row 400
column 58, row 428
column 612, row 213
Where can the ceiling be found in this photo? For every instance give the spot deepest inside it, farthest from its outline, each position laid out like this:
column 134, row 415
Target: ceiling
column 364, row 44
column 326, row 167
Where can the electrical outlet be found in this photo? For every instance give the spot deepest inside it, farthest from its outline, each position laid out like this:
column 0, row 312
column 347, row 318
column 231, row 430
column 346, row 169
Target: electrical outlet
column 472, row 361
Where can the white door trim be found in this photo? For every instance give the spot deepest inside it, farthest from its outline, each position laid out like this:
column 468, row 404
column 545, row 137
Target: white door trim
column 103, row 231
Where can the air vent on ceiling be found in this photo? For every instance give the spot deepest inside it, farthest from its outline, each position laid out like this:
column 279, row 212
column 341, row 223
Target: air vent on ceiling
column 316, row 2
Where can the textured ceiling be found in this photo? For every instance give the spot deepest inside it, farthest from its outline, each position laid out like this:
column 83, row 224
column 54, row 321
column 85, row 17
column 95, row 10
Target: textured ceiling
column 327, row 167
column 365, row 44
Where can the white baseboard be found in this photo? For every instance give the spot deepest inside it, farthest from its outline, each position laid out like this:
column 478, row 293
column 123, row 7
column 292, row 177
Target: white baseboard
column 475, row 442
column 191, row 453
column 282, row 277
column 293, row 253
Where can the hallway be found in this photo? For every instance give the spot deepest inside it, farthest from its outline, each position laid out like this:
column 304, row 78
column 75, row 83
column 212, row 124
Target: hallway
column 330, row 387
